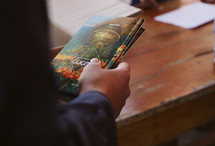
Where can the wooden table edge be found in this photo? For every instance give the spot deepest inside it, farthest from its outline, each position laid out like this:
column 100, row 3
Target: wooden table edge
column 164, row 106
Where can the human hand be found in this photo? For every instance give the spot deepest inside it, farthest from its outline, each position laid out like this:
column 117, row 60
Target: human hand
column 113, row 83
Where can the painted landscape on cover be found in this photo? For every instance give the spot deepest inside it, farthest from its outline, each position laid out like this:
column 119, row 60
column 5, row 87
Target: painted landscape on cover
column 102, row 37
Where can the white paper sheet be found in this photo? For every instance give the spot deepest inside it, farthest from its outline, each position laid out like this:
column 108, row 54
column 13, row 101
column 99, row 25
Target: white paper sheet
column 190, row 16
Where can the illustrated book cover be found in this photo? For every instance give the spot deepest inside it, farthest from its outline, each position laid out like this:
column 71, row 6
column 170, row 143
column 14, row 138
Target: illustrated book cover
column 107, row 38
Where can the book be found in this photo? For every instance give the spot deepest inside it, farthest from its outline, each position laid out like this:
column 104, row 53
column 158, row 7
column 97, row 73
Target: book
column 68, row 16
column 107, row 38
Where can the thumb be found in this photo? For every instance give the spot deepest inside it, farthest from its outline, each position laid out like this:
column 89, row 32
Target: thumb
column 94, row 63
column 123, row 66
column 94, row 60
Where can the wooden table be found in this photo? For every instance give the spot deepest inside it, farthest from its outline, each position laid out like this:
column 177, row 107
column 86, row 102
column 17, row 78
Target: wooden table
column 172, row 81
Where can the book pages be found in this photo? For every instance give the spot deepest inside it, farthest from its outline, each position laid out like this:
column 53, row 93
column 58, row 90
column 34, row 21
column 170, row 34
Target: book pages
column 67, row 16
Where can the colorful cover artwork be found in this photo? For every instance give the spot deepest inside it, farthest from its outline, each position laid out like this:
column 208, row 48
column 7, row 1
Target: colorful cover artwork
column 104, row 37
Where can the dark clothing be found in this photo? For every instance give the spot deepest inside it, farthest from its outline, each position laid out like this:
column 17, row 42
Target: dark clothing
column 135, row 2
column 28, row 111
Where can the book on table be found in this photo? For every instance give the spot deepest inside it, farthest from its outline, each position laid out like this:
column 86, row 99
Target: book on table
column 107, row 38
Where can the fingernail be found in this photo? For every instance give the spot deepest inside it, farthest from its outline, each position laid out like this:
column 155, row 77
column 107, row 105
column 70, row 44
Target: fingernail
column 94, row 60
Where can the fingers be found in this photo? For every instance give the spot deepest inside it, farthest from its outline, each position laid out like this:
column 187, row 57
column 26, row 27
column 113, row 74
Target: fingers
column 123, row 70
column 94, row 60
column 94, row 63
column 123, row 66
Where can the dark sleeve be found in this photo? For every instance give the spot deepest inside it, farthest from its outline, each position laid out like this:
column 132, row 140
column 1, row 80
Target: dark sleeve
column 88, row 121
column 135, row 2
column 28, row 111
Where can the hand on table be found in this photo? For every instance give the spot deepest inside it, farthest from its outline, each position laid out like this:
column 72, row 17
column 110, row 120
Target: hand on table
column 113, row 83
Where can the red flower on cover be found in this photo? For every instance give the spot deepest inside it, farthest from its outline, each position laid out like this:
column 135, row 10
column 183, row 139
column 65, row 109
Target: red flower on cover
column 103, row 64
column 78, row 73
column 62, row 69
column 67, row 72
column 72, row 74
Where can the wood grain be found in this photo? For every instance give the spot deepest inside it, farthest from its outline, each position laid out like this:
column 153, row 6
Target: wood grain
column 162, row 126
column 167, row 63
column 172, row 81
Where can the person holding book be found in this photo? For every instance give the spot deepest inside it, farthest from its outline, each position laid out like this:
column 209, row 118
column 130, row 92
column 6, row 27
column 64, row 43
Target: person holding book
column 29, row 112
